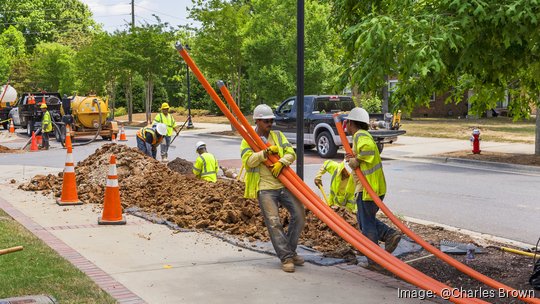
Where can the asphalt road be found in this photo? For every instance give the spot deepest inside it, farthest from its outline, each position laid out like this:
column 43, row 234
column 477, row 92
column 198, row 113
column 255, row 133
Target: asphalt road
column 487, row 201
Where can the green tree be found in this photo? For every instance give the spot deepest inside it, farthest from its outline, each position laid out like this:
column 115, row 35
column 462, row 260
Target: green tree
column 53, row 68
column 486, row 47
column 11, row 48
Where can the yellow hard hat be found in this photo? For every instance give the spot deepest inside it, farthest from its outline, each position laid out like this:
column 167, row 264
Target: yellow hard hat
column 164, row 106
column 43, row 106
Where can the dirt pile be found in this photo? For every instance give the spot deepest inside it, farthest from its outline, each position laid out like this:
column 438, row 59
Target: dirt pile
column 181, row 166
column 4, row 149
column 181, row 198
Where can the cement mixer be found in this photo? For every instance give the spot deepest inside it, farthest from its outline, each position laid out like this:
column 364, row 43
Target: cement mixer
column 87, row 115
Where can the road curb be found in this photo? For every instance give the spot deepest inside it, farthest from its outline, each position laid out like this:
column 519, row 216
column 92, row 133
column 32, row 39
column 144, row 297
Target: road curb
column 475, row 163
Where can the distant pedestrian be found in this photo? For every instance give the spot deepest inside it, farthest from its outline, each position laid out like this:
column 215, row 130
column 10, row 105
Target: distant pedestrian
column 366, row 157
column 263, row 183
column 46, row 126
column 167, row 119
column 342, row 184
column 206, row 165
column 148, row 138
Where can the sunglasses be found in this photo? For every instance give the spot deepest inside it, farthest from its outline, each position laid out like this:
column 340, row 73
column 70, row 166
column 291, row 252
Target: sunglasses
column 267, row 121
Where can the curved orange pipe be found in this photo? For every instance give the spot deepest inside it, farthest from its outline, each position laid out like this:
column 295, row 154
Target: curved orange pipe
column 441, row 255
column 429, row 283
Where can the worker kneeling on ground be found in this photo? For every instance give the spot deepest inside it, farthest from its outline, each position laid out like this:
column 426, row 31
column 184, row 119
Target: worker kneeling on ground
column 341, row 185
column 165, row 118
column 46, row 126
column 148, row 138
column 262, row 183
column 366, row 157
column 206, row 165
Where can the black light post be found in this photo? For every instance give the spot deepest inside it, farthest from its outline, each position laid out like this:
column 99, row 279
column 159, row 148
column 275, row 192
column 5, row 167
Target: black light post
column 300, row 88
column 189, row 123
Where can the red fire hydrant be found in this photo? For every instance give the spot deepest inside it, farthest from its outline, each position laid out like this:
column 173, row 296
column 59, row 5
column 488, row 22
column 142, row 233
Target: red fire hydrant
column 475, row 139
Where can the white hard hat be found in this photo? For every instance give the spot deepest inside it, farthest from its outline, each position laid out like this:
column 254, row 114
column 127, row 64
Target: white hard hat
column 161, row 128
column 359, row 114
column 263, row 111
column 199, row 144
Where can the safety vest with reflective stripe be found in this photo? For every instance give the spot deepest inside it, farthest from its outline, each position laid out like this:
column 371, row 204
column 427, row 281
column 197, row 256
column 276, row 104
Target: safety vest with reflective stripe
column 206, row 167
column 155, row 139
column 46, row 123
column 337, row 198
column 168, row 120
column 253, row 177
column 370, row 163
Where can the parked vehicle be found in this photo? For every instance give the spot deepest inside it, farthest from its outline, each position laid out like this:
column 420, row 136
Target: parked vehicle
column 27, row 114
column 319, row 128
column 8, row 96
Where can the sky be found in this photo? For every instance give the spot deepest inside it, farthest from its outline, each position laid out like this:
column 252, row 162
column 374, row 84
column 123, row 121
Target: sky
column 115, row 14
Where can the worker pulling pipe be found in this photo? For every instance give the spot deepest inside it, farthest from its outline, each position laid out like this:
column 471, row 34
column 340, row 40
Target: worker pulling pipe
column 432, row 249
column 370, row 249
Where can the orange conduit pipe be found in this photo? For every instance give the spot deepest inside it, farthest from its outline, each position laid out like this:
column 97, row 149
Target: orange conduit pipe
column 426, row 283
column 432, row 249
column 342, row 224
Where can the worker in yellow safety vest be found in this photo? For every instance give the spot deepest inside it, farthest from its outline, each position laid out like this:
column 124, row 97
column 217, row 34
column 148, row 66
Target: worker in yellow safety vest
column 148, row 138
column 366, row 157
column 165, row 118
column 262, row 182
column 342, row 185
column 46, row 126
column 206, row 165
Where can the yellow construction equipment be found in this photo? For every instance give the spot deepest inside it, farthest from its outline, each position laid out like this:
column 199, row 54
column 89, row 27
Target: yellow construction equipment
column 89, row 117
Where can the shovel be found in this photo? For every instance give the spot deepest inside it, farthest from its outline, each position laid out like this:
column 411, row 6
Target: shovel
column 177, row 133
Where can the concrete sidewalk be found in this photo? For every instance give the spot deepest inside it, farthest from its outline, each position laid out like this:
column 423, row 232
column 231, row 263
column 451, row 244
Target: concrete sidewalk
column 144, row 262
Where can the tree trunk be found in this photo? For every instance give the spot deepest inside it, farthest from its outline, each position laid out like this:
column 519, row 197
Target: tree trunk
column 537, row 139
column 129, row 98
column 385, row 96
column 149, row 94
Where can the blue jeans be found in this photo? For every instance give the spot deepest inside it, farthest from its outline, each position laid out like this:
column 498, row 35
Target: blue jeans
column 284, row 243
column 141, row 144
column 368, row 223
column 165, row 146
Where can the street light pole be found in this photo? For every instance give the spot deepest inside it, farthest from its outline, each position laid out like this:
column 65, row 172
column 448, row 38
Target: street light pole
column 189, row 122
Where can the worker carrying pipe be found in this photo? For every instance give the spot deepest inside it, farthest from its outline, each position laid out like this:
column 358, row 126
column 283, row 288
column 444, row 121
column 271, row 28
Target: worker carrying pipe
column 46, row 126
column 366, row 157
column 342, row 184
column 262, row 183
column 206, row 165
column 165, row 118
column 148, row 138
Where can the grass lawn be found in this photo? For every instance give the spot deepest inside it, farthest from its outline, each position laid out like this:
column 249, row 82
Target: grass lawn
column 501, row 129
column 179, row 118
column 39, row 270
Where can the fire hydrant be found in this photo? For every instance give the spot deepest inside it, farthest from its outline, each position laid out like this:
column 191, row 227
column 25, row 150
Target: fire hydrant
column 475, row 139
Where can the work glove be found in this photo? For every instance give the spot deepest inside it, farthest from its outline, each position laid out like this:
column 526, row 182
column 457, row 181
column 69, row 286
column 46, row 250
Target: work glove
column 318, row 182
column 272, row 150
column 276, row 168
column 354, row 163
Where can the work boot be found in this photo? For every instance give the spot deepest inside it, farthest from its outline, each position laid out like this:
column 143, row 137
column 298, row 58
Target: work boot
column 392, row 241
column 287, row 265
column 164, row 159
column 298, row 260
column 375, row 267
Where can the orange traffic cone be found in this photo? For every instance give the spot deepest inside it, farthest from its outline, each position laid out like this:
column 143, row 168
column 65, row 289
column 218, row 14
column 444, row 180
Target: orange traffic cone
column 69, row 185
column 113, row 138
column 67, row 143
column 11, row 127
column 112, row 209
column 122, row 134
column 34, row 145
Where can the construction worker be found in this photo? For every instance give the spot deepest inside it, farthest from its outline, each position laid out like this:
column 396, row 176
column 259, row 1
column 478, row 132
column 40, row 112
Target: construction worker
column 46, row 126
column 167, row 119
column 342, row 185
column 262, row 183
column 148, row 138
column 366, row 157
column 206, row 165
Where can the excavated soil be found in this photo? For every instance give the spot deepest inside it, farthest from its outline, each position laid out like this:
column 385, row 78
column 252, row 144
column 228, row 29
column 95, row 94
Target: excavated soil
column 174, row 194
column 4, row 149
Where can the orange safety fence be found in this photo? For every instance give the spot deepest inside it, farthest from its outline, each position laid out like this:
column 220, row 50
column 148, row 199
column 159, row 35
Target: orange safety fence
column 321, row 210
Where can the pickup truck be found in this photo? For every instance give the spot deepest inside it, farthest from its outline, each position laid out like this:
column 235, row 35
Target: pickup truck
column 319, row 127
column 26, row 114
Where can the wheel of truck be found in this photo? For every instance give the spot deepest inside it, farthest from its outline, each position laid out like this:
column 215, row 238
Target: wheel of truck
column 5, row 125
column 380, row 146
column 29, row 128
column 325, row 145
column 104, row 137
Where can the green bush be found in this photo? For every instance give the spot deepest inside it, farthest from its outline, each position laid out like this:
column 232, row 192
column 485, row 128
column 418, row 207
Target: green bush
column 372, row 104
column 120, row 111
column 184, row 111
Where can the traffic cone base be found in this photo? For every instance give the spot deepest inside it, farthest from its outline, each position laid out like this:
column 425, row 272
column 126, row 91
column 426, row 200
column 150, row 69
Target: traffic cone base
column 69, row 183
column 112, row 208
